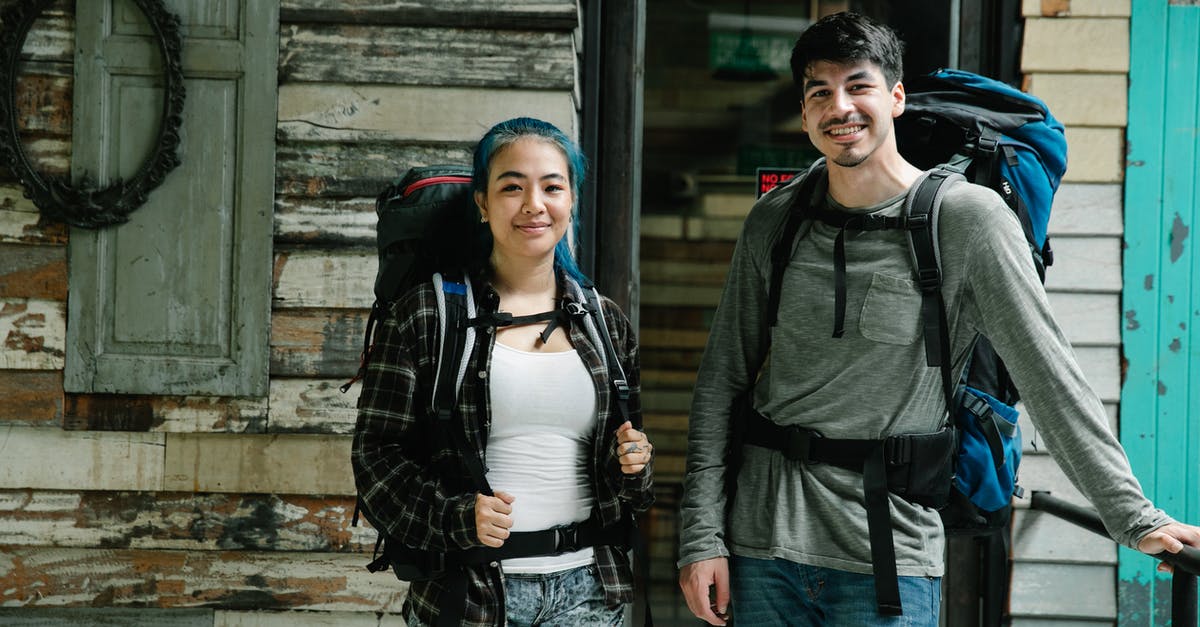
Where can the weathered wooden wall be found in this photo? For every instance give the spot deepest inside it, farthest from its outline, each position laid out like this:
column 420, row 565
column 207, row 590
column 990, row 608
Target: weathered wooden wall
column 228, row 505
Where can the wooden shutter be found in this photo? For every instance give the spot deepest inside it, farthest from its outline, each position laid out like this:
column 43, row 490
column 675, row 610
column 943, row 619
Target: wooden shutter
column 177, row 300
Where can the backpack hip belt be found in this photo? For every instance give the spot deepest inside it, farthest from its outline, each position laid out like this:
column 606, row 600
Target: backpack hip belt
column 917, row 467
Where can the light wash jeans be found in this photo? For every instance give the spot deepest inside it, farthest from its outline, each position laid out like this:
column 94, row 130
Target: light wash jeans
column 568, row 599
column 779, row 592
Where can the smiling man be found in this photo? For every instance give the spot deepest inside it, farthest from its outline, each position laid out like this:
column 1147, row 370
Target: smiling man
column 797, row 545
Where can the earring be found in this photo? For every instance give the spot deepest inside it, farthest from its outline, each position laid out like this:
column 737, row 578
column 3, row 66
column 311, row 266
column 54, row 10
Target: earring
column 482, row 218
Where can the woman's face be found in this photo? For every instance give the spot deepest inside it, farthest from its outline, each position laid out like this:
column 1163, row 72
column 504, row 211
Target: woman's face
column 528, row 201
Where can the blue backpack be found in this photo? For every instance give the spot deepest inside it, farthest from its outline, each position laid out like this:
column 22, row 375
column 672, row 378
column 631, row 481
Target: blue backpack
column 1007, row 140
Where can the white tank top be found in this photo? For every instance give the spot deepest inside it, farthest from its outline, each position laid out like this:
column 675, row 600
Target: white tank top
column 543, row 419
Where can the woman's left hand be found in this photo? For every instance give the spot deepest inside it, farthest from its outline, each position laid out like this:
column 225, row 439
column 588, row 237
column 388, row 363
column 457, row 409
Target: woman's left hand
column 633, row 449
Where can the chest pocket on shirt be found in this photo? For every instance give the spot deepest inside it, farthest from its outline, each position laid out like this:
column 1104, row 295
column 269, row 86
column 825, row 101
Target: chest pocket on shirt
column 891, row 312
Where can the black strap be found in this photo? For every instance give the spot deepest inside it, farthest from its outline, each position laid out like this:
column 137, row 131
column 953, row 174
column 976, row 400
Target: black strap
column 879, row 530
column 445, row 396
column 589, row 533
column 921, row 210
column 616, row 375
column 781, row 253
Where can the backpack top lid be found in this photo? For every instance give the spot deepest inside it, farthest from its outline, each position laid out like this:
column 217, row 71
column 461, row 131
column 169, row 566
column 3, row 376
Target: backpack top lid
column 948, row 109
column 425, row 225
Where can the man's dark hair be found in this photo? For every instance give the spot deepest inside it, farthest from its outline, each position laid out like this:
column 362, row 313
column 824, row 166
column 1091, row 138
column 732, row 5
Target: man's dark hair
column 849, row 37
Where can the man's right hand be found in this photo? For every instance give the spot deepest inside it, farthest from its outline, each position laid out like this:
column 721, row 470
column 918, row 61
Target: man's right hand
column 492, row 520
column 696, row 578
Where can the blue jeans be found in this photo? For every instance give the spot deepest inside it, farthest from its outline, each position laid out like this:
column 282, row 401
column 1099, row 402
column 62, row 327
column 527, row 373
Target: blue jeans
column 567, row 598
column 779, row 592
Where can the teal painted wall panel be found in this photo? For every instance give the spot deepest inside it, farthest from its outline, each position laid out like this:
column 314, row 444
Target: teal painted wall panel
column 1160, row 403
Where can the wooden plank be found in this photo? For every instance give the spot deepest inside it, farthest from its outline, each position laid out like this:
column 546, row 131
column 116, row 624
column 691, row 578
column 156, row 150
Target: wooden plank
column 31, row 398
column 181, row 521
column 1058, row 45
column 312, row 406
column 679, row 250
column 234, row 580
column 280, row 464
column 656, row 294
column 1087, row 209
column 225, row 618
column 700, row 272
column 104, row 617
column 169, row 414
column 50, row 156
column 1106, row 105
column 94, row 461
column 332, row 222
column 1085, row 264
column 326, row 169
column 532, row 14
column 1088, row 319
column 1064, row 591
column 1040, row 537
column 1096, row 154
column 343, row 280
column 357, row 113
column 19, row 218
column 52, row 37
column 317, row 342
column 34, row 333
column 676, row 317
column 673, row 338
column 33, row 272
column 1057, row 622
column 400, row 55
column 44, row 104
column 1042, row 473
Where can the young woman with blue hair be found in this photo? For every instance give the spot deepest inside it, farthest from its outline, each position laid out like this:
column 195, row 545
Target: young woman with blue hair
column 539, row 405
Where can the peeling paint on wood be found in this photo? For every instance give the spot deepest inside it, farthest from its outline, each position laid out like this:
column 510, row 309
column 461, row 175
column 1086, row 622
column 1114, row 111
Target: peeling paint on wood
column 19, row 218
column 532, row 14
column 316, row 343
column 324, row 279
column 105, row 617
column 171, row 414
column 165, row 579
column 346, row 222
column 33, row 332
column 97, row 460
column 312, row 406
column 223, row 618
column 326, row 169
column 44, row 104
column 273, row 464
column 1179, row 233
column 181, row 521
column 355, row 113
column 31, row 398
column 397, row 55
column 33, row 272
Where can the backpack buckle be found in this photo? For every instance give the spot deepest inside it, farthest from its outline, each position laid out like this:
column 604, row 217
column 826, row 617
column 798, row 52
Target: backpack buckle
column 566, row 539
column 897, row 450
column 918, row 221
column 575, row 309
column 929, row 279
column 622, row 388
column 798, row 444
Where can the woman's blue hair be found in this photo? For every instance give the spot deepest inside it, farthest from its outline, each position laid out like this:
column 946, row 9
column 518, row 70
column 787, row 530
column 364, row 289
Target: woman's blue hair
column 509, row 131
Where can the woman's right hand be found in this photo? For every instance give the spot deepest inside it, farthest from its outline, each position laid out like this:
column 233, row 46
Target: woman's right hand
column 492, row 520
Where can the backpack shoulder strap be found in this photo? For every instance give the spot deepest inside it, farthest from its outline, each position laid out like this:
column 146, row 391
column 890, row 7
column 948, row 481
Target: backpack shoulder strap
column 616, row 374
column 456, row 341
column 781, row 252
column 921, row 208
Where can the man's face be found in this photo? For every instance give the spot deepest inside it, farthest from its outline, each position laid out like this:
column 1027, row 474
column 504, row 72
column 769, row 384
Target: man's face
column 848, row 110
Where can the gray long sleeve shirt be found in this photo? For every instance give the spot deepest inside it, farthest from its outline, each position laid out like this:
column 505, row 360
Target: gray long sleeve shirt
column 874, row 382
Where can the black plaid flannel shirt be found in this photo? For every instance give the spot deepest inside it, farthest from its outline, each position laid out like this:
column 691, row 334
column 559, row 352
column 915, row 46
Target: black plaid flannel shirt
column 395, row 456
